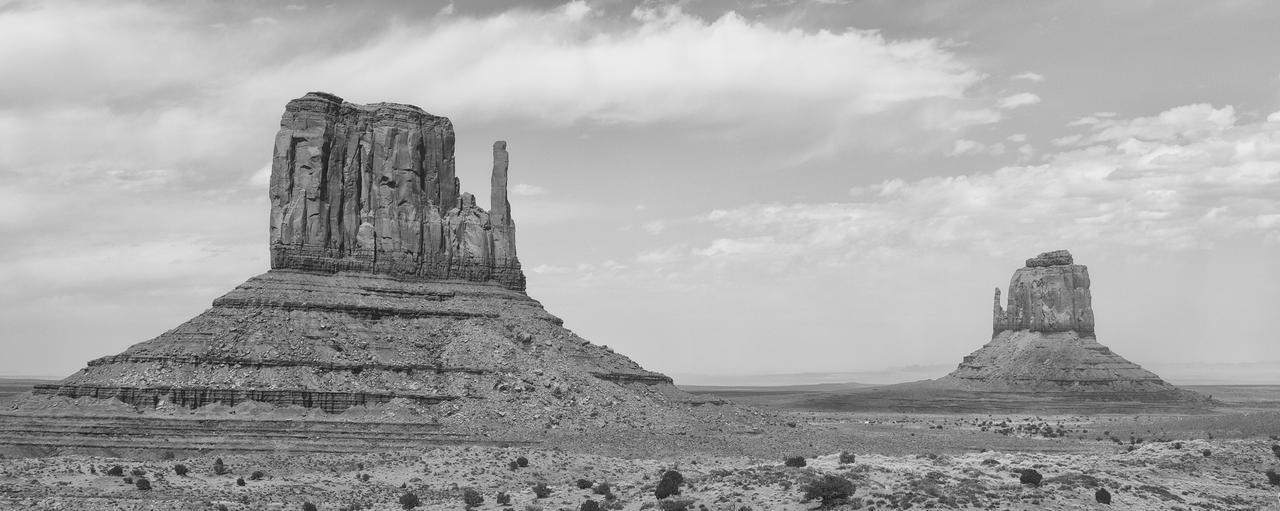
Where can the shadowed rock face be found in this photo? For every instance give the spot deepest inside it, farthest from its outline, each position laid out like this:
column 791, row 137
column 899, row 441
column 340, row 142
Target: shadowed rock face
column 1044, row 339
column 372, row 188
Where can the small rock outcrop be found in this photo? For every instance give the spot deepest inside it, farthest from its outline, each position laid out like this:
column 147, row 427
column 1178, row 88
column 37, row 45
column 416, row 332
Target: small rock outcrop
column 1043, row 339
column 373, row 188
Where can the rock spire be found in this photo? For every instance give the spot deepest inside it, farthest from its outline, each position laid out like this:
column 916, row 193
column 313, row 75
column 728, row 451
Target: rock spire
column 373, row 188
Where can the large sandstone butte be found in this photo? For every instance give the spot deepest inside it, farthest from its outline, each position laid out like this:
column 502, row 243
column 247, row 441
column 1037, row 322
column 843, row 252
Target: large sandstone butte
column 1043, row 340
column 392, row 295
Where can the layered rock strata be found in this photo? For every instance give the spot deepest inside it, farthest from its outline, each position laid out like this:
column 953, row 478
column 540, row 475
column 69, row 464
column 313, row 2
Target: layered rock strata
column 373, row 188
column 389, row 288
column 1044, row 338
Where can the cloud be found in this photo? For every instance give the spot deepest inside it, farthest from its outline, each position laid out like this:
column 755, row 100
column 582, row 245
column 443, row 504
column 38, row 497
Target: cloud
column 1019, row 100
column 1029, row 76
column 1185, row 179
column 527, row 190
column 571, row 64
column 970, row 147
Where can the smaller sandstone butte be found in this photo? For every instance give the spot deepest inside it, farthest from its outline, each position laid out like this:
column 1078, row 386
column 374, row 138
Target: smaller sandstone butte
column 1044, row 340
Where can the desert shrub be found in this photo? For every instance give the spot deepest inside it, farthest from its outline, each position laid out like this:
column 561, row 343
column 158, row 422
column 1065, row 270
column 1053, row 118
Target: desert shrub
column 128, row 480
column 1102, row 496
column 669, row 485
column 1206, row 452
column 522, row 461
column 180, row 469
column 1030, row 476
column 307, row 506
column 219, row 467
column 830, row 490
column 222, row 507
column 1273, row 477
column 142, row 484
column 794, row 461
column 471, row 498
column 589, row 505
column 502, row 499
column 1275, row 449
column 1177, row 445
column 584, row 484
column 257, row 475
column 138, row 472
column 409, row 500
column 541, row 490
column 675, row 504
column 239, row 481
column 513, row 466
column 847, row 458
column 116, row 470
column 603, row 489
column 990, row 462
column 532, row 507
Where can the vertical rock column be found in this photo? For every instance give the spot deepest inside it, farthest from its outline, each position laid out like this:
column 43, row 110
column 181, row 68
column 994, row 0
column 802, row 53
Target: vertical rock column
column 1050, row 294
column 504, row 230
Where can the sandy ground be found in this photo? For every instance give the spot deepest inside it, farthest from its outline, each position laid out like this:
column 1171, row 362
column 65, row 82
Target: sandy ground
column 1145, row 462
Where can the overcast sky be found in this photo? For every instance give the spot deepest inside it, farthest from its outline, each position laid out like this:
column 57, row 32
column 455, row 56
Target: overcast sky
column 711, row 188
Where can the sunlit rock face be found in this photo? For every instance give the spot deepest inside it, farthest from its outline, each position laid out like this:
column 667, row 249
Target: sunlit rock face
column 373, row 188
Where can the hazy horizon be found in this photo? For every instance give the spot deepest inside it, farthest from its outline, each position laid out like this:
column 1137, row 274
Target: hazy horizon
column 713, row 189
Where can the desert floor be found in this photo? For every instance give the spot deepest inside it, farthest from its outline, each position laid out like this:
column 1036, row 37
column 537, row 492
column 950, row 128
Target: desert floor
column 1213, row 461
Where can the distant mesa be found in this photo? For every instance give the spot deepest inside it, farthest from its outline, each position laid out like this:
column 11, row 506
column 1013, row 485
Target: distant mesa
column 389, row 287
column 1043, row 339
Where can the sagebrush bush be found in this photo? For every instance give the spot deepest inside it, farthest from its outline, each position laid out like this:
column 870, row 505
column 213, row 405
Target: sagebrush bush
column 115, row 470
column 584, row 484
column 239, row 481
column 142, row 484
column 138, row 472
column 307, row 506
column 1102, row 496
column 471, row 498
column 603, row 489
column 794, row 461
column 1273, row 477
column 541, row 490
column 669, row 485
column 1030, row 476
column 831, row 490
column 180, row 469
column 409, row 500
column 847, row 458
column 502, row 499
column 257, row 475
column 522, row 461
column 589, row 505
column 219, row 467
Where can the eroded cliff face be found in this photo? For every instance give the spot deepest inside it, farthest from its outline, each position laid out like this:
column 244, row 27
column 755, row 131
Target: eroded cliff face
column 372, row 188
column 1050, row 294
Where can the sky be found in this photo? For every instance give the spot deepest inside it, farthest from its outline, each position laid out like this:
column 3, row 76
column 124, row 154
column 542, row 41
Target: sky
column 721, row 190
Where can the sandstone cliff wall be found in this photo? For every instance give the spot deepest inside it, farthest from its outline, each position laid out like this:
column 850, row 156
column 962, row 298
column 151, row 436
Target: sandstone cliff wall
column 1050, row 294
column 373, row 188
